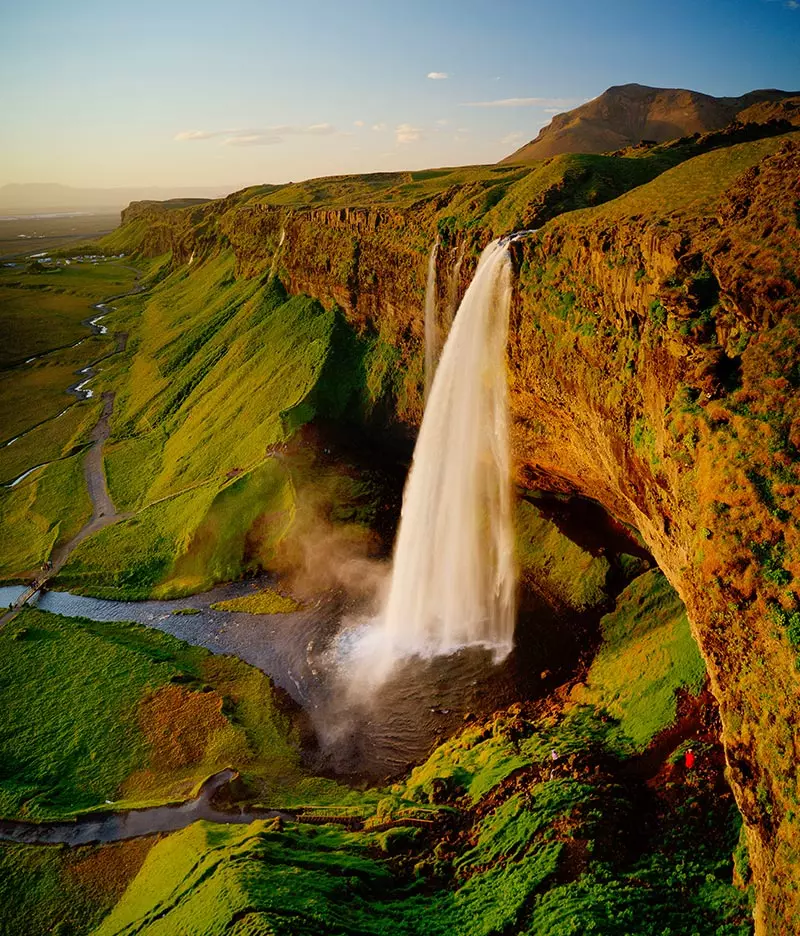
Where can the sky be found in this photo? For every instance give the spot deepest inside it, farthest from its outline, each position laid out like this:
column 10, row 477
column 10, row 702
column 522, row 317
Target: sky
column 238, row 92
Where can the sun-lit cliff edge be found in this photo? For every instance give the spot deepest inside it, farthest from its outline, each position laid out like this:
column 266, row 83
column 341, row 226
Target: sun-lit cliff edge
column 653, row 366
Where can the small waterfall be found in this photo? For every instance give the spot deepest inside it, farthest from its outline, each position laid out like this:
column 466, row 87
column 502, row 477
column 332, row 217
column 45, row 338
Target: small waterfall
column 453, row 282
column 431, row 325
column 453, row 575
column 276, row 256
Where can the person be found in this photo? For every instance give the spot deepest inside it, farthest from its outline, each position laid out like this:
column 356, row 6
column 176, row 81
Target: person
column 689, row 759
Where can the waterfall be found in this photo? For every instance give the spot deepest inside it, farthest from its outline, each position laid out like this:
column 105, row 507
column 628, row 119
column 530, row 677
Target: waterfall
column 453, row 574
column 453, row 283
column 276, row 256
column 431, row 325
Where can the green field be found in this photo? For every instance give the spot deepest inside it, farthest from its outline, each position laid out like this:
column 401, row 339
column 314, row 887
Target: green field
column 41, row 513
column 42, row 308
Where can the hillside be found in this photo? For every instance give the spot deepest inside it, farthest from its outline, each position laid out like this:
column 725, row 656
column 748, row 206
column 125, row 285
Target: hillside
column 653, row 370
column 625, row 115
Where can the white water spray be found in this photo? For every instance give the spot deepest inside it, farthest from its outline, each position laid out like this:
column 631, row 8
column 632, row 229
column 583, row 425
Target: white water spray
column 453, row 576
column 431, row 325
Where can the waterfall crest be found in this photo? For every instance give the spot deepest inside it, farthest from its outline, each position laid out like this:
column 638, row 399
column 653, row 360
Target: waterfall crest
column 453, row 574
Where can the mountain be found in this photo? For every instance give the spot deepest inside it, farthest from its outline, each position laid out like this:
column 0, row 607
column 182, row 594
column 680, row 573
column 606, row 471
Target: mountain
column 31, row 197
column 627, row 114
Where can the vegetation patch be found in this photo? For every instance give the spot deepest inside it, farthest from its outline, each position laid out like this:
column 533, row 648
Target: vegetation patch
column 41, row 513
column 267, row 601
column 648, row 653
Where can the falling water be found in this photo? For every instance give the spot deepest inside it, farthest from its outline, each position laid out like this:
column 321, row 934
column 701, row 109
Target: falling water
column 273, row 269
column 454, row 281
column 431, row 325
column 453, row 576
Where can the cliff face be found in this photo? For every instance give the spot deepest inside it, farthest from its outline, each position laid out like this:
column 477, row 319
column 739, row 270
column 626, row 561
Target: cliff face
column 653, row 366
column 655, row 369
column 624, row 115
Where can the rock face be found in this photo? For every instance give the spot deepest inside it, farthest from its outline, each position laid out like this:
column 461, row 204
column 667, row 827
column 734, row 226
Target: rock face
column 627, row 114
column 653, row 362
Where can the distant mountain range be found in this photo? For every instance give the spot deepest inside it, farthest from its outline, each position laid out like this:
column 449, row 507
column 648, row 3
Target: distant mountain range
column 39, row 197
column 627, row 114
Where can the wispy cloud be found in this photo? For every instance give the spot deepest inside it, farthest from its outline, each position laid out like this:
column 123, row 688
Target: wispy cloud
column 253, row 139
column 256, row 136
column 526, row 102
column 405, row 133
column 358, row 123
column 438, row 76
column 379, row 127
column 200, row 134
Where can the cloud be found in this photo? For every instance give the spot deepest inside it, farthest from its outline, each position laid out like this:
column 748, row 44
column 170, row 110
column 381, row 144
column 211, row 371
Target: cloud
column 405, row 133
column 257, row 136
column 200, row 134
column 553, row 110
column 526, row 102
column 320, row 129
column 358, row 123
column 379, row 127
column 253, row 139
column 438, row 76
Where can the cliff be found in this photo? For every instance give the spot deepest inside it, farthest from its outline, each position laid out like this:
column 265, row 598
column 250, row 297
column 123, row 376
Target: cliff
column 627, row 114
column 653, row 367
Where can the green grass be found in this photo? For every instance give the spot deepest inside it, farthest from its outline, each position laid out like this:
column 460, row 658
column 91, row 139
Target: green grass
column 187, row 543
column 60, row 890
column 551, row 852
column 553, row 563
column 648, row 653
column 40, row 311
column 267, row 601
column 34, row 394
column 692, row 186
column 202, row 399
column 96, row 712
column 50, row 440
column 44, row 511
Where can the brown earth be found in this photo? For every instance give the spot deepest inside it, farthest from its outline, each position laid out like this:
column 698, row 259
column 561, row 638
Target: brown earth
column 627, row 114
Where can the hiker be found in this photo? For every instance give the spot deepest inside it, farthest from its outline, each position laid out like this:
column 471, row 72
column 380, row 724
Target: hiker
column 689, row 759
column 553, row 762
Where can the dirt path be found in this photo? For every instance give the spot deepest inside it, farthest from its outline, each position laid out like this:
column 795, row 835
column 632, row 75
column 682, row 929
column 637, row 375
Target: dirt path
column 103, row 511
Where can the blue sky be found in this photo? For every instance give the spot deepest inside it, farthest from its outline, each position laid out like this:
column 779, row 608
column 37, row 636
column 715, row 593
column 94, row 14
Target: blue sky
column 235, row 92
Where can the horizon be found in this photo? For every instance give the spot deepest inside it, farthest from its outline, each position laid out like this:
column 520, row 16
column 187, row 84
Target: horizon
column 259, row 94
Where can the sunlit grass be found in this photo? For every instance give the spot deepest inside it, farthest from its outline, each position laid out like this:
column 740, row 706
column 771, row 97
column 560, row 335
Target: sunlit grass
column 42, row 512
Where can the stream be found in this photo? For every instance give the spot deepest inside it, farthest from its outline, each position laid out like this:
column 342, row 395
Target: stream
column 103, row 827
